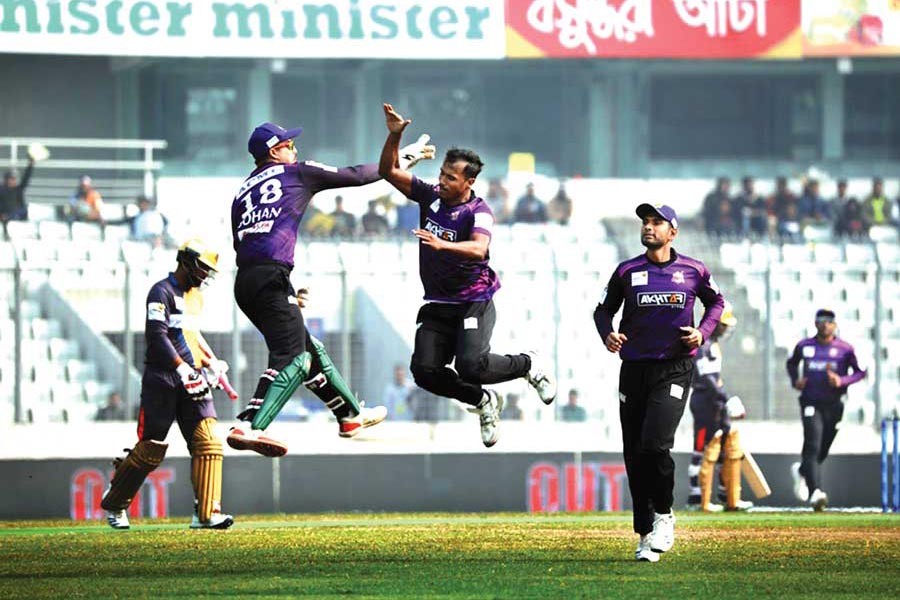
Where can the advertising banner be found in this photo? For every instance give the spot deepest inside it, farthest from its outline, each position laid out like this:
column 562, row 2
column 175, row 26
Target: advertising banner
column 705, row 29
column 851, row 27
column 413, row 29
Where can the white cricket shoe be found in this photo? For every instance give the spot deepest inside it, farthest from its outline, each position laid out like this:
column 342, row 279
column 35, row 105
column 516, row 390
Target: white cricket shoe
column 740, row 506
column 644, row 553
column 818, row 500
column 489, row 415
column 216, row 521
column 712, row 507
column 367, row 417
column 540, row 378
column 118, row 519
column 801, row 491
column 662, row 538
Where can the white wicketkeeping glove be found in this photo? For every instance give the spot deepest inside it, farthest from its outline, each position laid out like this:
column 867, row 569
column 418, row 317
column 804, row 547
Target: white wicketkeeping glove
column 214, row 371
column 735, row 408
column 413, row 153
column 38, row 152
column 194, row 382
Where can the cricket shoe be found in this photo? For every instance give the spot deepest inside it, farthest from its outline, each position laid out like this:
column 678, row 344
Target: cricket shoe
column 118, row 519
column 662, row 538
column 818, row 500
column 712, row 507
column 216, row 521
column 348, row 427
column 801, row 491
column 644, row 553
column 540, row 378
column 253, row 440
column 741, row 505
column 489, row 416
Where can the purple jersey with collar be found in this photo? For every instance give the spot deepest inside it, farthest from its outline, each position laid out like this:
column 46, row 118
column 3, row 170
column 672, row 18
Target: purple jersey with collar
column 816, row 359
column 269, row 205
column 448, row 277
column 658, row 298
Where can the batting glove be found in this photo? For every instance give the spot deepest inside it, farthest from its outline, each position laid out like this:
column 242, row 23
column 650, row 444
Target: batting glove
column 735, row 408
column 194, row 382
column 413, row 153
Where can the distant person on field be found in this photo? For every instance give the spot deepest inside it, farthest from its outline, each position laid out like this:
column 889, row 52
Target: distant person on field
column 572, row 412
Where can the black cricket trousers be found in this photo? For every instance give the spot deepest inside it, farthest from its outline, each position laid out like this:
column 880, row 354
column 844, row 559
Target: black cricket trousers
column 652, row 397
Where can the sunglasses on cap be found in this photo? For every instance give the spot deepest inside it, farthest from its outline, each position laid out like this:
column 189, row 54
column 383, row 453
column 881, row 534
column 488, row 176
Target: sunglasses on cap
column 289, row 145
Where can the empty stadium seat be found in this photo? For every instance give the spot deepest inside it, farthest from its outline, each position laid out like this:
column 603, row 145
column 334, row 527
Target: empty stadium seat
column 17, row 231
column 86, row 231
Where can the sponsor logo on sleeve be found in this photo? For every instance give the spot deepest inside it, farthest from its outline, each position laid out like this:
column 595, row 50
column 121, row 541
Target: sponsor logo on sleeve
column 604, row 294
column 156, row 311
column 484, row 220
column 662, row 299
column 318, row 165
column 639, row 278
column 441, row 232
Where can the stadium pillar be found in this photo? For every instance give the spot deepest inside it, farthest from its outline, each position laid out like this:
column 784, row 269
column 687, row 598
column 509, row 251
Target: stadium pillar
column 367, row 93
column 601, row 136
column 832, row 115
column 769, row 342
column 258, row 83
column 879, row 313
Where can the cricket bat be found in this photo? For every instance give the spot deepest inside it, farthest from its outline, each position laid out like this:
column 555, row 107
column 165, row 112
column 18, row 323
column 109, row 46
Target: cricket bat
column 754, row 476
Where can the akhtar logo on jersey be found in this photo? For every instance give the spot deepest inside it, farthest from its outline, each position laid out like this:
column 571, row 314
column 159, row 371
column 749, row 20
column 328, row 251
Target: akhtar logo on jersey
column 441, row 232
column 669, row 299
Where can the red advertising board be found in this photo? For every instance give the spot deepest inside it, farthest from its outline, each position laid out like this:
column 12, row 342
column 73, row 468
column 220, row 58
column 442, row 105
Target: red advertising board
column 704, row 29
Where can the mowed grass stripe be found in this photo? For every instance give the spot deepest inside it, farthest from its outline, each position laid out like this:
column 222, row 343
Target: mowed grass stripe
column 459, row 556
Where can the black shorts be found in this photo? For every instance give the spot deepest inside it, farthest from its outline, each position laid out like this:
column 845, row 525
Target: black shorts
column 164, row 400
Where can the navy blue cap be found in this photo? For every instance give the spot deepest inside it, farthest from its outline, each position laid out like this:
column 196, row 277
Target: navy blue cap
column 825, row 313
column 666, row 213
column 267, row 136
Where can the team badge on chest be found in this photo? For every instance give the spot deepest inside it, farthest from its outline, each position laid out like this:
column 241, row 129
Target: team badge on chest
column 678, row 277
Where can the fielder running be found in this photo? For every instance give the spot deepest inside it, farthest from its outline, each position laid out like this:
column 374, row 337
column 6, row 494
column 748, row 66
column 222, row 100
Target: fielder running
column 265, row 216
column 656, row 341
column 174, row 388
column 714, row 436
column 823, row 381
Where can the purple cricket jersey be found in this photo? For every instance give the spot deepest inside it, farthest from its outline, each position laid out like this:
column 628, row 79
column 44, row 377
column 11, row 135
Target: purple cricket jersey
column 448, row 277
column 267, row 209
column 816, row 359
column 659, row 298
column 163, row 327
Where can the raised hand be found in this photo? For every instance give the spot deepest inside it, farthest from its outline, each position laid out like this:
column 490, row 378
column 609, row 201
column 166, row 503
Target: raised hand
column 395, row 122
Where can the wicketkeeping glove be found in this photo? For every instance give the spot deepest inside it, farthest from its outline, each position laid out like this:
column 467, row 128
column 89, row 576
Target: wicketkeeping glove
column 735, row 408
column 194, row 382
column 413, row 153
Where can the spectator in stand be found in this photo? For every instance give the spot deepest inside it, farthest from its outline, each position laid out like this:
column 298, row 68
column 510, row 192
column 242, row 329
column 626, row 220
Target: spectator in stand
column 149, row 225
column 12, row 195
column 812, row 207
column 838, row 203
column 559, row 210
column 571, row 412
column 86, row 204
column 512, row 411
column 113, row 411
column 877, row 208
column 782, row 199
column 712, row 203
column 344, row 222
column 374, row 222
column 728, row 222
column 755, row 207
column 530, row 208
column 407, row 217
column 396, row 396
column 789, row 225
column 316, row 224
column 850, row 222
column 497, row 198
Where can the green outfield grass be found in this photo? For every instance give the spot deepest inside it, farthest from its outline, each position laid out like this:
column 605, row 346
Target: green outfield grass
column 802, row 555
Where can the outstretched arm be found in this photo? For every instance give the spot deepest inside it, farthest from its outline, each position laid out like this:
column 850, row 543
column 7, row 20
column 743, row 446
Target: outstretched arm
column 389, row 164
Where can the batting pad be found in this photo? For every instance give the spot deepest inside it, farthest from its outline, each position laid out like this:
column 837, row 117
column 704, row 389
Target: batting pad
column 328, row 384
column 708, row 468
column 206, row 469
column 131, row 472
column 283, row 387
column 731, row 468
